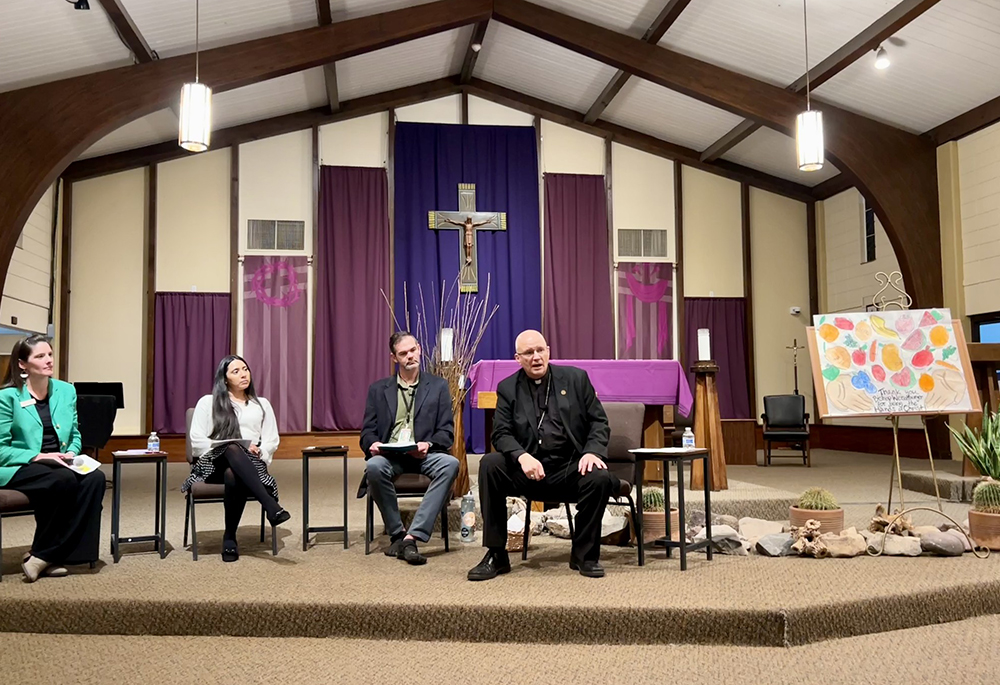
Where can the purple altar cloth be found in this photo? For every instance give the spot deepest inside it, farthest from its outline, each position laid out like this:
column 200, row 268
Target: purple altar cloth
column 649, row 381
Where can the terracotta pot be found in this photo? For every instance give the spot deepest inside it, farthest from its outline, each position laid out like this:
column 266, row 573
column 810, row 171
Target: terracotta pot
column 983, row 528
column 654, row 525
column 830, row 521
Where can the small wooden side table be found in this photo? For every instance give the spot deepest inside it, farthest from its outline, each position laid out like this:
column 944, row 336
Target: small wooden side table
column 325, row 452
column 159, row 535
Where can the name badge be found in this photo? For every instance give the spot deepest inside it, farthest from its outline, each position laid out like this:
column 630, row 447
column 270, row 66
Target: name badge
column 405, row 436
column 28, row 403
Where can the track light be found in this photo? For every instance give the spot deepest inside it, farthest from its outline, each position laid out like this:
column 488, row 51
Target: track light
column 476, row 47
column 881, row 58
column 80, row 4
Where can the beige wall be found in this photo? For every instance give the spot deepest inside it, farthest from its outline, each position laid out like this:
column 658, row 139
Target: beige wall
column 850, row 284
column 28, row 286
column 979, row 182
column 192, row 223
column 568, row 151
column 446, row 110
column 642, row 187
column 713, row 235
column 363, row 141
column 107, row 305
column 780, row 269
column 484, row 112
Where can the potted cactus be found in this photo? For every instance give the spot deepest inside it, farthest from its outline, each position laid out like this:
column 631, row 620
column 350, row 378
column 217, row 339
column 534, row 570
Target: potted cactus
column 982, row 447
column 820, row 505
column 654, row 523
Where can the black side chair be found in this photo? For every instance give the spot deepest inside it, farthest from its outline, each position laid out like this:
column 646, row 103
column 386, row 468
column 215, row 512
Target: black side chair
column 210, row 493
column 407, row 485
column 786, row 421
column 625, row 421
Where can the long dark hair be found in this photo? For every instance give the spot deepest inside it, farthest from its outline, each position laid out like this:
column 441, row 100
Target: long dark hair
column 225, row 425
column 19, row 353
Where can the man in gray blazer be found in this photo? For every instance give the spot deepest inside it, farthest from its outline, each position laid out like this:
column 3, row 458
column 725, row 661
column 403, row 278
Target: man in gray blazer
column 408, row 408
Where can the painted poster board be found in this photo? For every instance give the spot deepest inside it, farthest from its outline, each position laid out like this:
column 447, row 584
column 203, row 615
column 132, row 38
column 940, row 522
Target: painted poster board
column 889, row 363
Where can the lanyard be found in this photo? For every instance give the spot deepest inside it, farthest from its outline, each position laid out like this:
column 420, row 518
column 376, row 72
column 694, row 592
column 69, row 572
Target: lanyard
column 408, row 394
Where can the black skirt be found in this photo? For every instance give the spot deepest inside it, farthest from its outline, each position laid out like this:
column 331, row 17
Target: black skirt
column 211, row 468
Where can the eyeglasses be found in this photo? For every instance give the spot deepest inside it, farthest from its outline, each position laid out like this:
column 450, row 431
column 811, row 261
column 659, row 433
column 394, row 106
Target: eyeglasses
column 528, row 354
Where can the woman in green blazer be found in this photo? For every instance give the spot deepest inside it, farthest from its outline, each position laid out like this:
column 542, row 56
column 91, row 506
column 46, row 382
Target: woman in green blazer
column 39, row 438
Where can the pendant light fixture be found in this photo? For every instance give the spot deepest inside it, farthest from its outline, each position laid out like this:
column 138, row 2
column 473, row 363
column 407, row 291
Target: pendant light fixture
column 809, row 124
column 195, row 130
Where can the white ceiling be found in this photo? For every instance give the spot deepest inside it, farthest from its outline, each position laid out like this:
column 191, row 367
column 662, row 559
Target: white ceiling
column 416, row 61
column 774, row 153
column 944, row 63
column 666, row 114
column 517, row 60
column 764, row 38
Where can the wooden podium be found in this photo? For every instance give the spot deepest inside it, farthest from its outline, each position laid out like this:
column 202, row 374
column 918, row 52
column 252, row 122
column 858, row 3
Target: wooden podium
column 708, row 428
column 985, row 359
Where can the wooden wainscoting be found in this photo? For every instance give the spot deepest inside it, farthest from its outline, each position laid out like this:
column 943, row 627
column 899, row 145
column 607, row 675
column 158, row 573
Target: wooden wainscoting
column 291, row 445
column 740, row 438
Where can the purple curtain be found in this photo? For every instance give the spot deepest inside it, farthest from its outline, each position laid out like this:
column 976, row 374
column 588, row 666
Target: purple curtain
column 352, row 320
column 192, row 335
column 502, row 161
column 578, row 319
column 725, row 317
column 645, row 310
column 275, row 325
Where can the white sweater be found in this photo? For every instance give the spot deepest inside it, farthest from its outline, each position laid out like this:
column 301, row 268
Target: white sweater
column 255, row 425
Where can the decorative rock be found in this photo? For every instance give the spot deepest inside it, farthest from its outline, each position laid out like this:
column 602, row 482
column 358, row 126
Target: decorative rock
column 777, row 545
column 847, row 544
column 960, row 536
column 696, row 518
column 942, row 544
column 753, row 529
column 895, row 545
column 920, row 531
column 725, row 540
column 726, row 520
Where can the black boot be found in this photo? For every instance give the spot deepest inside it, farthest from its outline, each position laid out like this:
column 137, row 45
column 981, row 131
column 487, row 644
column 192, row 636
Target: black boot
column 408, row 553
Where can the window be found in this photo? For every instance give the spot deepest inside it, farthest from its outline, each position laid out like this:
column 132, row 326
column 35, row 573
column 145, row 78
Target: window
column 280, row 236
column 640, row 244
column 868, row 254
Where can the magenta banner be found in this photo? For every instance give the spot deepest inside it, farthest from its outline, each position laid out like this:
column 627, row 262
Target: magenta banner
column 645, row 294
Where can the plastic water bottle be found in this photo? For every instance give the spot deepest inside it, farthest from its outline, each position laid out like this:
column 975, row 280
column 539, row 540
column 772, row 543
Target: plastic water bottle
column 687, row 440
column 153, row 444
column 468, row 518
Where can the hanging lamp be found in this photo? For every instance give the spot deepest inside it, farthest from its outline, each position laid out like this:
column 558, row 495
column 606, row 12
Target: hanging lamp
column 195, row 128
column 809, row 147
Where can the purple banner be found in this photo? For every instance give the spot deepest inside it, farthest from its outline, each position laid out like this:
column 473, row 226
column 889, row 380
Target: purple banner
column 275, row 327
column 645, row 294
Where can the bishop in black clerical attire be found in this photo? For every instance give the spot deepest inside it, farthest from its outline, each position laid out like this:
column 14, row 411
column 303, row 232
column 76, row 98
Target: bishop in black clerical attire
column 551, row 434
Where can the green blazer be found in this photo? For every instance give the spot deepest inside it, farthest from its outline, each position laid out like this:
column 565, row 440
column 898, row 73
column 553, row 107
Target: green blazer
column 21, row 427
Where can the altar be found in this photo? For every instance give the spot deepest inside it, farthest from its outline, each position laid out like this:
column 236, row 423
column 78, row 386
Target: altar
column 660, row 384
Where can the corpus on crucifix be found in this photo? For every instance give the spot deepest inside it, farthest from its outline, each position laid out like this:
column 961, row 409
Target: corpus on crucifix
column 470, row 222
column 795, row 347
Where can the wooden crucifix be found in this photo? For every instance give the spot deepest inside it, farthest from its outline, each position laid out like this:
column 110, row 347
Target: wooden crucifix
column 469, row 221
column 795, row 347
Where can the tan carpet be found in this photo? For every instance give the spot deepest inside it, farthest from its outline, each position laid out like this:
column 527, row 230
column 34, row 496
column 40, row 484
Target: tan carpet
column 961, row 652
column 329, row 591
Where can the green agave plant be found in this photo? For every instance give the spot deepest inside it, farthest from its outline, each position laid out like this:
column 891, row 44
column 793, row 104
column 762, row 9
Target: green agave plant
column 982, row 446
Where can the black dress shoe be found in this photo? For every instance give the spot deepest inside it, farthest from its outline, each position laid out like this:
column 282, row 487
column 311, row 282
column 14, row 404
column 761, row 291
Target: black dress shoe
column 408, row 553
column 493, row 564
column 230, row 552
column 279, row 517
column 591, row 569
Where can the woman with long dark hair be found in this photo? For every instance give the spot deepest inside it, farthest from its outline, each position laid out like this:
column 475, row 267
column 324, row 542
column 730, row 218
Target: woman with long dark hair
column 234, row 435
column 39, row 438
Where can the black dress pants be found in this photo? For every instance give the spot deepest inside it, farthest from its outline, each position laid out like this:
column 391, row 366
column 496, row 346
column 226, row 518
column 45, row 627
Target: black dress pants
column 67, row 511
column 500, row 477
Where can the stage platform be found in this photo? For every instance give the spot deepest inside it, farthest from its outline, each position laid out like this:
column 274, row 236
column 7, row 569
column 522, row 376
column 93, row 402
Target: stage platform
column 332, row 592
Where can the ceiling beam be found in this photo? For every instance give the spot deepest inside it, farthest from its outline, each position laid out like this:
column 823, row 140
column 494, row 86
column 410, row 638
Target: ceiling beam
column 964, row 124
column 832, row 186
column 668, row 15
column 38, row 141
column 323, row 15
column 635, row 139
column 471, row 54
column 896, row 170
column 865, row 42
column 128, row 31
column 264, row 128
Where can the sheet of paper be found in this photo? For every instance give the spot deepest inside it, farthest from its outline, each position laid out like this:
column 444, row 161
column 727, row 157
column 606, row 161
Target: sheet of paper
column 398, row 446
column 238, row 441
column 130, row 453
column 83, row 464
column 665, row 450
